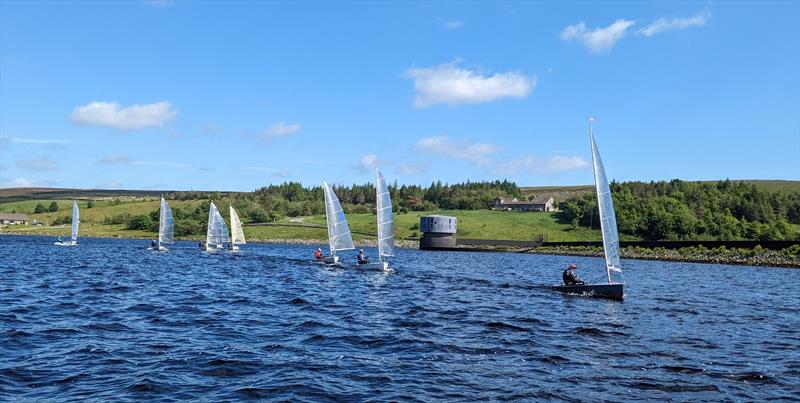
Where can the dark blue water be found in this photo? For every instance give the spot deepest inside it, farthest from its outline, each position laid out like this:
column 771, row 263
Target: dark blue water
column 110, row 320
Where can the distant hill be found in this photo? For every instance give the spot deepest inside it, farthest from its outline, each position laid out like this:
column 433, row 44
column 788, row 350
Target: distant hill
column 19, row 194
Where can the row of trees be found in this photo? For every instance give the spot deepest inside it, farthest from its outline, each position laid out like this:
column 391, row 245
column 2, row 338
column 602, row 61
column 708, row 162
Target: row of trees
column 681, row 210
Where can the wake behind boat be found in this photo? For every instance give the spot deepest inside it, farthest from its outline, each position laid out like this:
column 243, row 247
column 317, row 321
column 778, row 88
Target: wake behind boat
column 76, row 219
column 383, row 210
column 608, row 226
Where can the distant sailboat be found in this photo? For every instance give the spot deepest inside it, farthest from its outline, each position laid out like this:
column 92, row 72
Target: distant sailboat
column 339, row 237
column 76, row 219
column 608, row 226
column 237, row 233
column 166, row 227
column 217, row 232
column 383, row 208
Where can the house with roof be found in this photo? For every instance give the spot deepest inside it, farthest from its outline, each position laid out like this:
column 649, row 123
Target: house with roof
column 13, row 219
column 544, row 203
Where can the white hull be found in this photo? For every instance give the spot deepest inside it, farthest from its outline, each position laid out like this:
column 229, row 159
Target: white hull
column 330, row 260
column 212, row 249
column 159, row 249
column 374, row 266
column 234, row 248
column 66, row 243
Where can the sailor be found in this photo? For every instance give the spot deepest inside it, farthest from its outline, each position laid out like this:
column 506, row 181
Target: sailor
column 154, row 244
column 202, row 245
column 318, row 254
column 362, row 258
column 570, row 277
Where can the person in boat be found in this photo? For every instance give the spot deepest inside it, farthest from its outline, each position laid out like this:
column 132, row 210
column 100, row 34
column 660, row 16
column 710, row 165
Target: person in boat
column 570, row 277
column 318, row 254
column 202, row 245
column 60, row 239
column 154, row 244
column 362, row 258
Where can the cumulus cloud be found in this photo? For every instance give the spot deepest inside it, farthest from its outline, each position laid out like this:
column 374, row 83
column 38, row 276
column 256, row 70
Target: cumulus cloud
column 597, row 40
column 449, row 84
column 115, row 159
column 458, row 149
column 367, row 163
column 411, row 169
column 38, row 164
column 281, row 130
column 668, row 24
column 541, row 165
column 112, row 114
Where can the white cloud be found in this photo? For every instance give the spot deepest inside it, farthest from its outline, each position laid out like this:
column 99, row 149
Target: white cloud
column 411, row 169
column 597, row 40
column 451, row 85
column 111, row 114
column 666, row 24
column 459, row 149
column 451, row 24
column 28, row 183
column 42, row 142
column 38, row 164
column 541, row 165
column 281, row 130
column 367, row 163
column 115, row 159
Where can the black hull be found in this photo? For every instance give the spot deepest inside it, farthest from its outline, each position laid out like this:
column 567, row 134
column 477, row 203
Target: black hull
column 610, row 291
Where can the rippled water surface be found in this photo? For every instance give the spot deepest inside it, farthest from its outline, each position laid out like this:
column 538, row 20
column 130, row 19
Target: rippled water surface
column 109, row 320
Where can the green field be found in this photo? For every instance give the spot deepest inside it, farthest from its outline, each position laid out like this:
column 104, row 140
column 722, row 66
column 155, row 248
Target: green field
column 478, row 224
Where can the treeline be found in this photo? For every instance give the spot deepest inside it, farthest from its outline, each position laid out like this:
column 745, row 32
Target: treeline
column 679, row 210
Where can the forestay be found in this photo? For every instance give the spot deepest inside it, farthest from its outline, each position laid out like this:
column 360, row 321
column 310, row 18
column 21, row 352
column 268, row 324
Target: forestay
column 383, row 205
column 608, row 220
column 217, row 234
column 166, row 224
column 237, row 233
column 339, row 236
column 76, row 219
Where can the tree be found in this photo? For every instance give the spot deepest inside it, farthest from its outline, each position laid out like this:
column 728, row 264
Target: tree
column 53, row 207
column 39, row 209
column 90, row 204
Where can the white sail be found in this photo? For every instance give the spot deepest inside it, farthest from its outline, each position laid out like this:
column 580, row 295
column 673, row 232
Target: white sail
column 383, row 206
column 339, row 236
column 608, row 220
column 217, row 232
column 237, row 233
column 166, row 224
column 76, row 219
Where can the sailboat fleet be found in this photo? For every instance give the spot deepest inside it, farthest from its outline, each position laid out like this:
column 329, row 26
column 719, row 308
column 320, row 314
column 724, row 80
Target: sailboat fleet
column 340, row 238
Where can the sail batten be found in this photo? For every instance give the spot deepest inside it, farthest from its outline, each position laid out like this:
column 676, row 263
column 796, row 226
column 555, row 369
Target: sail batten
column 217, row 233
column 339, row 237
column 76, row 219
column 166, row 224
column 237, row 233
column 605, row 205
column 383, row 209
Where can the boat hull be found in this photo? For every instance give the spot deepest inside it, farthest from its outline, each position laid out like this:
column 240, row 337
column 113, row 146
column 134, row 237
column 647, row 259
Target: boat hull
column 373, row 266
column 67, row 243
column 610, row 291
column 330, row 260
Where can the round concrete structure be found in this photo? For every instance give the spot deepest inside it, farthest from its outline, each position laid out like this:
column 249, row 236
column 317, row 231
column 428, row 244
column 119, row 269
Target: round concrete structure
column 438, row 231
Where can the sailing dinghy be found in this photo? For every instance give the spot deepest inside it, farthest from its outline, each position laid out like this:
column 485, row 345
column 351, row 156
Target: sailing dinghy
column 383, row 207
column 166, row 227
column 217, row 232
column 237, row 233
column 76, row 219
column 608, row 226
column 339, row 237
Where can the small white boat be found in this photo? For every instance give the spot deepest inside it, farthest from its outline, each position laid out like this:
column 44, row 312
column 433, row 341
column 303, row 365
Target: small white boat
column 76, row 219
column 217, row 231
column 166, row 227
column 608, row 226
column 339, row 237
column 237, row 233
column 383, row 207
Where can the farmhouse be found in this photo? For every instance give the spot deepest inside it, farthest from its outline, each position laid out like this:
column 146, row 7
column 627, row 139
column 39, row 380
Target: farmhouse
column 539, row 204
column 13, row 219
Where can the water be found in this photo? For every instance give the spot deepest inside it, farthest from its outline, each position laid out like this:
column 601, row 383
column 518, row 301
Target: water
column 110, row 320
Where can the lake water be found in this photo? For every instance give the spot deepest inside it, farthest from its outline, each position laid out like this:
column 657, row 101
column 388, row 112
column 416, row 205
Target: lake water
column 109, row 320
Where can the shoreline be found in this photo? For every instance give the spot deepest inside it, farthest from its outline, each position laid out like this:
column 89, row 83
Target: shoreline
column 759, row 258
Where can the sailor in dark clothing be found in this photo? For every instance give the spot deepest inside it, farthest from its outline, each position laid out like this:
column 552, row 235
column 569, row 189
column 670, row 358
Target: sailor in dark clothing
column 362, row 258
column 153, row 244
column 570, row 277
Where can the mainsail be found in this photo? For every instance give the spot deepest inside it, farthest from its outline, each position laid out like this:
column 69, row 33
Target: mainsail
column 166, row 224
column 217, row 233
column 608, row 220
column 237, row 234
column 76, row 219
column 383, row 206
column 339, row 236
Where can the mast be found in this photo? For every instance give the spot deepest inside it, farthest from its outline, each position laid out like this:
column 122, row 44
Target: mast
column 605, row 205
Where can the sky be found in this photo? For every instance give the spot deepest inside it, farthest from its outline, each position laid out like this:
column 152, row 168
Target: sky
column 203, row 95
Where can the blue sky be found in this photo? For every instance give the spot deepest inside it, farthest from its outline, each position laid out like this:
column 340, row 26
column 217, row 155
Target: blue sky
column 237, row 95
